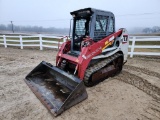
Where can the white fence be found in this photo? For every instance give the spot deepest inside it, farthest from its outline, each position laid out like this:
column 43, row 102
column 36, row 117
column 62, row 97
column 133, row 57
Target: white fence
column 38, row 41
column 135, row 39
column 42, row 42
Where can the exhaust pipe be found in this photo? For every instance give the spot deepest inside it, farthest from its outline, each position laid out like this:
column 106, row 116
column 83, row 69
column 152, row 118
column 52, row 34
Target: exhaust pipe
column 55, row 88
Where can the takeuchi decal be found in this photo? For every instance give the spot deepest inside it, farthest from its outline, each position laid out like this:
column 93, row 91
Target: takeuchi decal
column 125, row 39
column 93, row 53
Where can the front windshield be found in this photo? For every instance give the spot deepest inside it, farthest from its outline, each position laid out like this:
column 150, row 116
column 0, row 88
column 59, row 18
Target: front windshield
column 81, row 27
column 81, row 30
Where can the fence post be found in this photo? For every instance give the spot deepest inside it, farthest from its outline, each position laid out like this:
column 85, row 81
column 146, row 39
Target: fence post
column 40, row 41
column 4, row 39
column 132, row 48
column 64, row 39
column 21, row 42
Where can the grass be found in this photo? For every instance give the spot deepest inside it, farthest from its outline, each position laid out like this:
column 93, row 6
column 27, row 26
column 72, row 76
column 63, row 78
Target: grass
column 145, row 42
column 144, row 50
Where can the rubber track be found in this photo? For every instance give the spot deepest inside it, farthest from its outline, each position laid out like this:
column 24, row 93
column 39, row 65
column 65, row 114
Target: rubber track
column 98, row 66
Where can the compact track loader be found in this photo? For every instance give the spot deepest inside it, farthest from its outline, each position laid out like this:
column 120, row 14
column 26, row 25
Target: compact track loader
column 94, row 53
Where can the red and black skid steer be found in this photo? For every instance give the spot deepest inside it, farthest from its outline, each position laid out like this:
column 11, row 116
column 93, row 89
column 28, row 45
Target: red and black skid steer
column 94, row 53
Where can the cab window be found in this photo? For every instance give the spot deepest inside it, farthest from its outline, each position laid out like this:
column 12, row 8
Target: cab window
column 111, row 25
column 100, row 27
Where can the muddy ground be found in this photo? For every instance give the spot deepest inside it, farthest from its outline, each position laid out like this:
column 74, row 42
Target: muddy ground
column 132, row 95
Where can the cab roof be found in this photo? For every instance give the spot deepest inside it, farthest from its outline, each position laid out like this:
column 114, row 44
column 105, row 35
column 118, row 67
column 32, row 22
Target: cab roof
column 92, row 10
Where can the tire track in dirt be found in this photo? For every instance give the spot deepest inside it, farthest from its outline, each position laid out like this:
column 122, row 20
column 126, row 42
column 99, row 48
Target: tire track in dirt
column 148, row 58
column 140, row 83
column 145, row 71
column 130, row 75
column 152, row 112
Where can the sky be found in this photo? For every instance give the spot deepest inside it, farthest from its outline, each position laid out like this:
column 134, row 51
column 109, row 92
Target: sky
column 56, row 13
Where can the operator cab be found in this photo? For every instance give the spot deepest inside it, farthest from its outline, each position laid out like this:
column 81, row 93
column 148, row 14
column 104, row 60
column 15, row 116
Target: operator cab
column 96, row 24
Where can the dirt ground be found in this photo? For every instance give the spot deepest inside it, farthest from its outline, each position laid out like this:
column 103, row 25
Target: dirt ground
column 117, row 98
